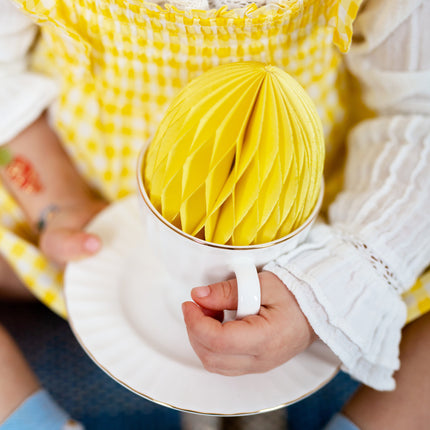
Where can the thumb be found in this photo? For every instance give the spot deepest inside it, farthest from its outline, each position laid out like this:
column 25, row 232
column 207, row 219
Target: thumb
column 65, row 245
column 218, row 297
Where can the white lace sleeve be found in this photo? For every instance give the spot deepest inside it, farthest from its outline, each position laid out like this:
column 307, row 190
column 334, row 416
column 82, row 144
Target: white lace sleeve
column 349, row 275
column 23, row 95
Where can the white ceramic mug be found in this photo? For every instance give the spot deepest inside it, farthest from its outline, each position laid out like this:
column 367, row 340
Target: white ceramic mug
column 193, row 262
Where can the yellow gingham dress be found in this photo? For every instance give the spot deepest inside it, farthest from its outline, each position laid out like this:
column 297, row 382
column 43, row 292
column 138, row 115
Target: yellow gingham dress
column 118, row 63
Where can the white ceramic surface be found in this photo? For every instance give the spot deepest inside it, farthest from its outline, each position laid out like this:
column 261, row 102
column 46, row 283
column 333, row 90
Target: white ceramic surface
column 121, row 315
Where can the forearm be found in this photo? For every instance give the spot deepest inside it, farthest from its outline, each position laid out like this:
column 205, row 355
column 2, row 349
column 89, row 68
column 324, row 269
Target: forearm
column 349, row 275
column 40, row 173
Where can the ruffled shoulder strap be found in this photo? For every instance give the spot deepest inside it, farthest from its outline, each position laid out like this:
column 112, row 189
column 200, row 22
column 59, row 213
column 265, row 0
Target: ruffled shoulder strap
column 52, row 12
column 58, row 14
column 340, row 15
column 40, row 10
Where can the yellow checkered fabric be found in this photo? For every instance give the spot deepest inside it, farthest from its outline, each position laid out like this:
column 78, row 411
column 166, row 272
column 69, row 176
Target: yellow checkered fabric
column 417, row 299
column 118, row 63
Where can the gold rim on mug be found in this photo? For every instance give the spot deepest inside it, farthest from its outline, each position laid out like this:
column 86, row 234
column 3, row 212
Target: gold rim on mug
column 143, row 193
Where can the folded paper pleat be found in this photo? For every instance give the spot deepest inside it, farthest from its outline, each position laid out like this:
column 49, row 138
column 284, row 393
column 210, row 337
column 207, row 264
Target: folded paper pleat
column 238, row 156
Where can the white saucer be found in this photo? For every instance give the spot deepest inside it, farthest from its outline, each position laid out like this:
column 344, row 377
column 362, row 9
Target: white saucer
column 119, row 314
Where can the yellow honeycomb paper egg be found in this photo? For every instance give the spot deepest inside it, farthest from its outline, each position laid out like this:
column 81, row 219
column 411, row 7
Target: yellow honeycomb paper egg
column 238, row 157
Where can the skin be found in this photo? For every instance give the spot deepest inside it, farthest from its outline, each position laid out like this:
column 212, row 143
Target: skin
column 17, row 380
column 11, row 288
column 61, row 184
column 254, row 344
column 262, row 342
column 62, row 240
column 407, row 407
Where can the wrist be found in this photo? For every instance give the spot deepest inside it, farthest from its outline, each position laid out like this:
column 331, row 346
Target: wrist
column 45, row 216
column 311, row 336
column 68, row 213
column 38, row 172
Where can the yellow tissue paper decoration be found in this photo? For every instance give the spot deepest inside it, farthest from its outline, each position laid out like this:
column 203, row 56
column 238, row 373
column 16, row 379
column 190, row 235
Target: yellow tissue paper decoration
column 238, row 157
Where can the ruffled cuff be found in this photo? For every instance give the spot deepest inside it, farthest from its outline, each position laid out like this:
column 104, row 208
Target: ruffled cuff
column 348, row 301
column 23, row 97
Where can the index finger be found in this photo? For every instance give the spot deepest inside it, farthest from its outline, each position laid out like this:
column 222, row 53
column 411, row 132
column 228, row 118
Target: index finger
column 234, row 337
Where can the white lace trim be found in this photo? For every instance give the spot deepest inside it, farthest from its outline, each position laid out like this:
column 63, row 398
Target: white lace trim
column 211, row 4
column 188, row 4
column 375, row 370
column 235, row 4
column 381, row 268
column 346, row 298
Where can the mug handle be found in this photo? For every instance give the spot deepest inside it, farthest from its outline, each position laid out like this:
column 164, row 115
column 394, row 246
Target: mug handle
column 248, row 290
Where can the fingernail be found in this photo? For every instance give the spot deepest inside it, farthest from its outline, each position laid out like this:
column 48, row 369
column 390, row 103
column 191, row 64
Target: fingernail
column 92, row 244
column 201, row 292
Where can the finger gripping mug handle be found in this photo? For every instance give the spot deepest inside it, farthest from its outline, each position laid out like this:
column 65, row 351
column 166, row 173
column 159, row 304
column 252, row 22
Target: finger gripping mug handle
column 248, row 290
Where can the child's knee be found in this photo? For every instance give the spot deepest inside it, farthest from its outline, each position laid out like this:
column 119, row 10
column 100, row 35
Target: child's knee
column 11, row 287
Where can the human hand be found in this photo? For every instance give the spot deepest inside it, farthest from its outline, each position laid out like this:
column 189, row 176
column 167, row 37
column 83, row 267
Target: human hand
column 63, row 239
column 255, row 344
